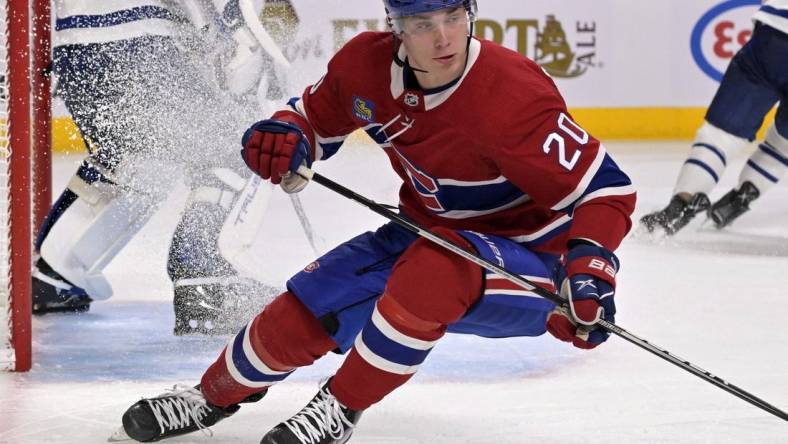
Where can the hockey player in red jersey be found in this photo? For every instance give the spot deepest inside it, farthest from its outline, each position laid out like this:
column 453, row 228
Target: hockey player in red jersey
column 489, row 158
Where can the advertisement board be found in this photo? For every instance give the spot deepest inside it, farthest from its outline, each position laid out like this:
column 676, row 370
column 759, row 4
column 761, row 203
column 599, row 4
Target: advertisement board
column 627, row 69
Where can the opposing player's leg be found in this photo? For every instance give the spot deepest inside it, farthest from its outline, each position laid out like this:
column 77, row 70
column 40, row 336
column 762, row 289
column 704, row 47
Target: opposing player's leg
column 90, row 223
column 762, row 171
column 732, row 120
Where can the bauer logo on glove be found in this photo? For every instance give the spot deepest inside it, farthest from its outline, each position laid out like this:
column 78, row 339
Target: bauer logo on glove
column 587, row 279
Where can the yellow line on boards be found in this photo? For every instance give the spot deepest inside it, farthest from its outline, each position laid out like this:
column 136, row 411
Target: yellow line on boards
column 604, row 123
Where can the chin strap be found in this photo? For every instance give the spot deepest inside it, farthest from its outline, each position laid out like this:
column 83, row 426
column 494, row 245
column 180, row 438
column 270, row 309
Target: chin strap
column 404, row 63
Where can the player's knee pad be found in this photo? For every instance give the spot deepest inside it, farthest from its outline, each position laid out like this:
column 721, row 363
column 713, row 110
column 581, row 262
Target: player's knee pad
column 434, row 284
column 768, row 163
column 707, row 159
column 91, row 222
column 287, row 335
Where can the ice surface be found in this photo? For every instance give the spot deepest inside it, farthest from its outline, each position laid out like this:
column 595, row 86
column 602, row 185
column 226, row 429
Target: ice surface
column 715, row 298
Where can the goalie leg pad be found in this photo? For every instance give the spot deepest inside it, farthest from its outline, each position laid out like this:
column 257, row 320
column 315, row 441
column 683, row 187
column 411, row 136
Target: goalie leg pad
column 92, row 222
column 194, row 252
column 244, row 221
column 211, row 297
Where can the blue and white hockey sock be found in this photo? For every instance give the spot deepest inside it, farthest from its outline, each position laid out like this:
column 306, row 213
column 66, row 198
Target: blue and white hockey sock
column 707, row 159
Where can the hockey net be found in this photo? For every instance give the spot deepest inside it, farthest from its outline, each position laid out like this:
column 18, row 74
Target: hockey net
column 24, row 135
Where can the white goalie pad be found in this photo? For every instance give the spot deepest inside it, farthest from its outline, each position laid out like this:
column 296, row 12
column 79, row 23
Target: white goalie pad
column 244, row 222
column 92, row 231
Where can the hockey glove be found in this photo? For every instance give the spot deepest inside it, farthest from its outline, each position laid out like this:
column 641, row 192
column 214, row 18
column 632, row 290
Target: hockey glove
column 587, row 279
column 274, row 149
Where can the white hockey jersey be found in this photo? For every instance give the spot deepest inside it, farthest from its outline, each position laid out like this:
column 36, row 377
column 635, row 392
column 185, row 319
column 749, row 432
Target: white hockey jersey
column 774, row 13
column 99, row 21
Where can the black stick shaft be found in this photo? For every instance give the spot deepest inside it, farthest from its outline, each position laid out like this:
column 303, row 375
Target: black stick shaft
column 609, row 326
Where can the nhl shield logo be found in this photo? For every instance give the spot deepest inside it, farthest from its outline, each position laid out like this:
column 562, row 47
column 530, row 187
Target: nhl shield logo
column 412, row 99
column 312, row 267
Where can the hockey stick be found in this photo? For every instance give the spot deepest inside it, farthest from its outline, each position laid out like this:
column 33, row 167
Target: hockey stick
column 259, row 32
column 528, row 285
column 305, row 224
column 246, row 217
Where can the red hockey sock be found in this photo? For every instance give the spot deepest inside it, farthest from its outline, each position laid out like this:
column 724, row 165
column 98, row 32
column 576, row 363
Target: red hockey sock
column 284, row 336
column 429, row 288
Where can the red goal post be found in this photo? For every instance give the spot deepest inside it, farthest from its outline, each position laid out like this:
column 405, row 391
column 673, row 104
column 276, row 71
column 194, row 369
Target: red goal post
column 25, row 165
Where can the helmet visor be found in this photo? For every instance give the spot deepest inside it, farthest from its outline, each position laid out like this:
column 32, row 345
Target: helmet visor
column 427, row 19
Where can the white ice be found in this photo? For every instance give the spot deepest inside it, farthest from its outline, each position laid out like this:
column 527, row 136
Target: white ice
column 715, row 298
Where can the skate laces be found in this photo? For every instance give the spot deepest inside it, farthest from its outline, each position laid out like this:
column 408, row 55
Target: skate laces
column 178, row 408
column 322, row 415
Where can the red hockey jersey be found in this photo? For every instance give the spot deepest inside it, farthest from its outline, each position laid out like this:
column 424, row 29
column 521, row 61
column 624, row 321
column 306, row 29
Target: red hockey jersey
column 494, row 152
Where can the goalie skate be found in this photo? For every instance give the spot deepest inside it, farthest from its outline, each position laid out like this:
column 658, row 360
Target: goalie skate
column 52, row 293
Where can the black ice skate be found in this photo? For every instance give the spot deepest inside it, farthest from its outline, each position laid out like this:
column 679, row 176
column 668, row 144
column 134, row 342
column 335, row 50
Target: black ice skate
column 677, row 214
column 323, row 421
column 733, row 204
column 182, row 410
column 52, row 293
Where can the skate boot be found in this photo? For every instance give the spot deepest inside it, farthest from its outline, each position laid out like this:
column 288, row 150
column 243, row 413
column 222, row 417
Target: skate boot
column 52, row 293
column 182, row 410
column 733, row 204
column 677, row 214
column 323, row 421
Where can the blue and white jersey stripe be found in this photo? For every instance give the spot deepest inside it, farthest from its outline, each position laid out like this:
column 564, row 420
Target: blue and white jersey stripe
column 384, row 347
column 486, row 197
column 774, row 13
column 244, row 365
column 603, row 178
column 101, row 21
column 561, row 223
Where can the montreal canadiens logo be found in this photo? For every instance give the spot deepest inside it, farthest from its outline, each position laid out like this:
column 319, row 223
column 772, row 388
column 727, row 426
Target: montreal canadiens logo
column 312, row 267
column 721, row 32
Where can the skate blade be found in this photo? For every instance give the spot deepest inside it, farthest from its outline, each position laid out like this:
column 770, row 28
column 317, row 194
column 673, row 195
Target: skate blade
column 119, row 436
column 656, row 236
